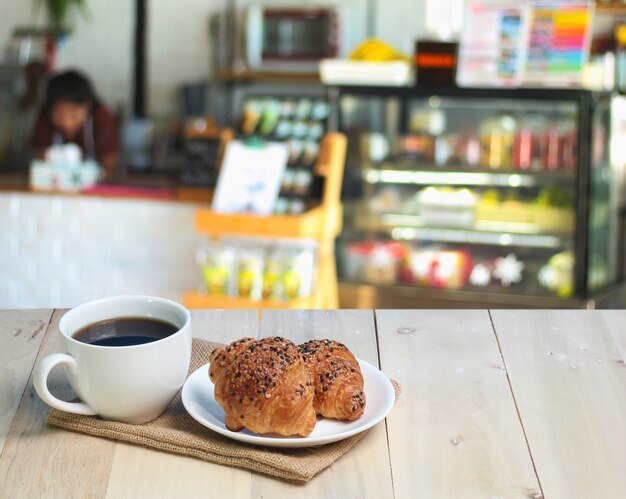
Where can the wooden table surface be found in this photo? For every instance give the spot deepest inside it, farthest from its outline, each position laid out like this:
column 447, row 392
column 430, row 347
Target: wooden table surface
column 495, row 404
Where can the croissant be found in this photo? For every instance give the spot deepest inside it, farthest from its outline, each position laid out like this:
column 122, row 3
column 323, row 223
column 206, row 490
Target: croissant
column 337, row 379
column 263, row 386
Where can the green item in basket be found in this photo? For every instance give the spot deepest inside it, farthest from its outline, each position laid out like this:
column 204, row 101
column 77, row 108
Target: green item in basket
column 272, row 288
column 250, row 273
column 217, row 268
column 298, row 270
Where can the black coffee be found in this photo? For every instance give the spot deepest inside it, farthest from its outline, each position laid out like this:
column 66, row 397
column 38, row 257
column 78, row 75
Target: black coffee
column 125, row 331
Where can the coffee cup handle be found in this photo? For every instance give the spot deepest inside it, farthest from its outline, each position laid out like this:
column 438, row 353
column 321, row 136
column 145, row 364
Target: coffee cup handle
column 40, row 381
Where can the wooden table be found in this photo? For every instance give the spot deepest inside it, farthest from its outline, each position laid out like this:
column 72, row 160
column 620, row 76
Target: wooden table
column 495, row 404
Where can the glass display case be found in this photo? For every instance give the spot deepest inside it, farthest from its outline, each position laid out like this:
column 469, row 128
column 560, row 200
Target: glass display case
column 475, row 197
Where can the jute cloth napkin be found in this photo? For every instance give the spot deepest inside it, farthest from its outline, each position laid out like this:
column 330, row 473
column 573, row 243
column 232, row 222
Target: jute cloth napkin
column 177, row 432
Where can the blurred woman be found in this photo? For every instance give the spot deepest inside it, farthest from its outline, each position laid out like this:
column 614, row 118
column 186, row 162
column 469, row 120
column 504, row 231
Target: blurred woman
column 72, row 113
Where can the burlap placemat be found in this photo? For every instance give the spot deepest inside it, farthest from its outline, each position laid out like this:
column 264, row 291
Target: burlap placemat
column 177, row 432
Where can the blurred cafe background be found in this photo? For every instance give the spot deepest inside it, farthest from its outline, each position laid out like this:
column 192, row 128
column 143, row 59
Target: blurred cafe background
column 318, row 154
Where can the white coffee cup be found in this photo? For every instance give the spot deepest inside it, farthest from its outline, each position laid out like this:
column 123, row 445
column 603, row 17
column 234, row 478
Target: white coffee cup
column 133, row 384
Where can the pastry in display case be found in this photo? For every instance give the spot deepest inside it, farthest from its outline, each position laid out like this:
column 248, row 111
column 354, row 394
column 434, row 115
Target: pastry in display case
column 475, row 197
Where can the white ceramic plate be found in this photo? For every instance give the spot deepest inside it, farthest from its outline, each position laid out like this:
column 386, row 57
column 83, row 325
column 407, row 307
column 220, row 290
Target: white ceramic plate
column 200, row 403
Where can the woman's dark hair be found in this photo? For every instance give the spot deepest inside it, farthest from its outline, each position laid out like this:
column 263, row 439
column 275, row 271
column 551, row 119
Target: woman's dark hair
column 69, row 86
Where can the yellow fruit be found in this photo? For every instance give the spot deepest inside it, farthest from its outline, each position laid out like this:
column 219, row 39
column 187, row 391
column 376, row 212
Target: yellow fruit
column 373, row 49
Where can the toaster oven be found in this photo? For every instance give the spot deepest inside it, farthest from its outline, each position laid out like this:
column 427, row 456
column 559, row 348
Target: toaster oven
column 296, row 38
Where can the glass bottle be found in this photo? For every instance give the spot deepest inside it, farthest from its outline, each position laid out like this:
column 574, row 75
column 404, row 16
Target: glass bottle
column 526, row 153
column 497, row 137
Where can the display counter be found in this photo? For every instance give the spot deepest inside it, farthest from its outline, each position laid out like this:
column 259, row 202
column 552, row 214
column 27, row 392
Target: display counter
column 61, row 249
column 133, row 185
